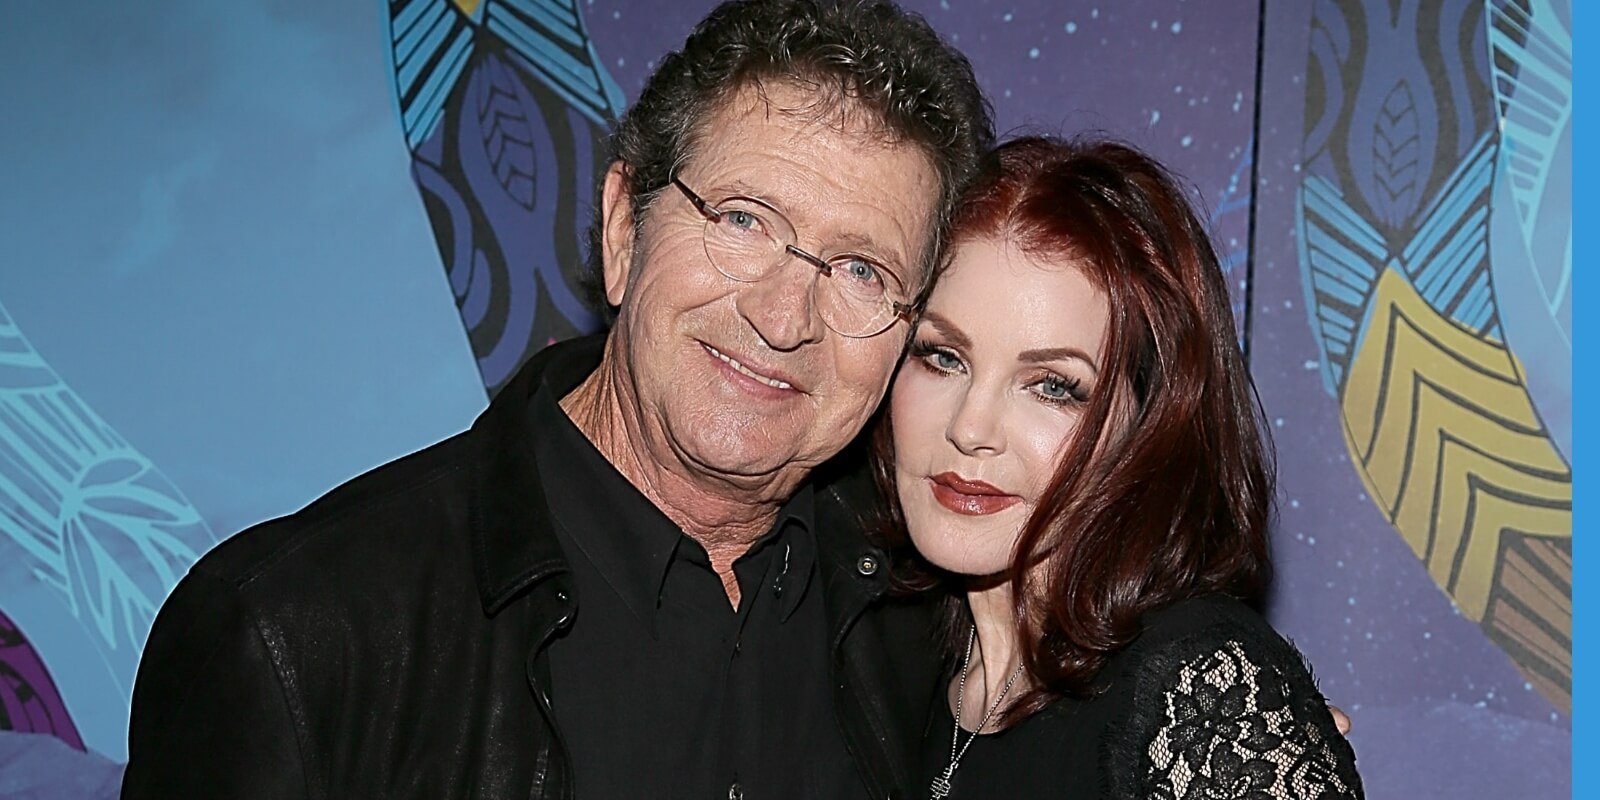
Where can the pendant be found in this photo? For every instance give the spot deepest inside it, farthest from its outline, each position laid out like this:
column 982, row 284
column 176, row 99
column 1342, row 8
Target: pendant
column 941, row 787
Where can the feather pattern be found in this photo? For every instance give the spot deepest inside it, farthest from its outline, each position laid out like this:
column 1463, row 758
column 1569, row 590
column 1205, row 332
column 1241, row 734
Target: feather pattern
column 1343, row 254
column 1340, row 256
column 1395, row 157
column 507, row 132
column 1447, row 259
column 504, row 153
column 551, row 37
column 431, row 42
column 85, row 514
column 1532, row 82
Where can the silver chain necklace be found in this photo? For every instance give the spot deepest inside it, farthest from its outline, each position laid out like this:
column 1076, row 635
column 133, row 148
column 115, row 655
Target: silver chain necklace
column 941, row 785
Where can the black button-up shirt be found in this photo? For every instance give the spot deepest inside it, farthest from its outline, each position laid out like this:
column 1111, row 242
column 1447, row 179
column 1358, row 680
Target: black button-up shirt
column 661, row 688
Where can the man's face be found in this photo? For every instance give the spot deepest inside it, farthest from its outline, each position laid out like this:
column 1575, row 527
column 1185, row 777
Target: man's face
column 799, row 391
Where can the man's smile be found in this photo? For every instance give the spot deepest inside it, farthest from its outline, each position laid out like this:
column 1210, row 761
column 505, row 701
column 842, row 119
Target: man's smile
column 753, row 374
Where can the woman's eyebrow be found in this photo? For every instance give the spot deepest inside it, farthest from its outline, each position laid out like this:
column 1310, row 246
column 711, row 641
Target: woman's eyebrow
column 947, row 328
column 1057, row 354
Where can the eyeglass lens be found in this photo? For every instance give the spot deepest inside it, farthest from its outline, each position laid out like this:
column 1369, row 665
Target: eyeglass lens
column 748, row 241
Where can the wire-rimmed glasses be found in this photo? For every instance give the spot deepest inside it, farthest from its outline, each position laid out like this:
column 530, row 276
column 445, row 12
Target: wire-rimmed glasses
column 748, row 240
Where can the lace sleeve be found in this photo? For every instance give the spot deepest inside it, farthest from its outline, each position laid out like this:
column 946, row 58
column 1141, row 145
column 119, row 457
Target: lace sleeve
column 1240, row 723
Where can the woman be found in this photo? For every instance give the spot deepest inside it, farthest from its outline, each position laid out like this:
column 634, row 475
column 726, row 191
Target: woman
column 1075, row 450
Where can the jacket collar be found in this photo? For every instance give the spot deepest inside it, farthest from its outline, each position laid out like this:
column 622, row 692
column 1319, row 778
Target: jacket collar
column 867, row 654
column 513, row 541
column 854, row 572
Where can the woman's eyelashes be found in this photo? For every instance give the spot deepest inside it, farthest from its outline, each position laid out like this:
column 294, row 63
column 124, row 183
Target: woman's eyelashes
column 937, row 359
column 1052, row 387
column 1059, row 389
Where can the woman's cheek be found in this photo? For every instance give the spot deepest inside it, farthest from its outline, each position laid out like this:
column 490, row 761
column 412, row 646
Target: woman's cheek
column 919, row 404
column 1041, row 436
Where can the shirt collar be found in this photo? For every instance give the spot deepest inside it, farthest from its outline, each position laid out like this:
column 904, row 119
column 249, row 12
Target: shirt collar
column 795, row 564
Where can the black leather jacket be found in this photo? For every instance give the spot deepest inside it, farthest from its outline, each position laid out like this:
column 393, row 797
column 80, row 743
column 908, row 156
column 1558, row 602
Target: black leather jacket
column 388, row 640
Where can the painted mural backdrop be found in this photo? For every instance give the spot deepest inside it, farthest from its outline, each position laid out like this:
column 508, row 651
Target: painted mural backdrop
column 1424, row 538
column 505, row 109
column 1416, row 175
column 90, row 531
column 505, row 105
column 1405, row 301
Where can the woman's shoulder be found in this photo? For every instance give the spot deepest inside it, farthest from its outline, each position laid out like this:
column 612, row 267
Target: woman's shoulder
column 1214, row 642
column 1216, row 616
column 1213, row 693
column 1201, row 625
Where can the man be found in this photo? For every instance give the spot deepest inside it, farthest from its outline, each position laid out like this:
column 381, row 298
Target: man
column 627, row 579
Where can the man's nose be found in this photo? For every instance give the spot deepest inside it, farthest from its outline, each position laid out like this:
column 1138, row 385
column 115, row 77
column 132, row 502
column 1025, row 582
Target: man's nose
column 782, row 307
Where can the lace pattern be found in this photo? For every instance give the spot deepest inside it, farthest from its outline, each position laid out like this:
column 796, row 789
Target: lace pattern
column 1236, row 728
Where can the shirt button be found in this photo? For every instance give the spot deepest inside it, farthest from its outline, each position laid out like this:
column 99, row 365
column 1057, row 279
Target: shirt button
column 867, row 565
column 735, row 791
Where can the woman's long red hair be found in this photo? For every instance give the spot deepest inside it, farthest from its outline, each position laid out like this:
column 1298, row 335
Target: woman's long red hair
column 1166, row 490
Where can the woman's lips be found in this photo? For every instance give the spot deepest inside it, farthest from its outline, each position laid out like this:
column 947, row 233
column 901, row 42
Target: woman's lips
column 971, row 498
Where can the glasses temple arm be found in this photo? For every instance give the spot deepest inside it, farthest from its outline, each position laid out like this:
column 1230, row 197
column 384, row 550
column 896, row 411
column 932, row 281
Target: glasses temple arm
column 700, row 204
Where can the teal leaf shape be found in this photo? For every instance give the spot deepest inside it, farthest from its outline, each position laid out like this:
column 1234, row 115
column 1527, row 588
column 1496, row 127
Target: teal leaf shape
column 1531, row 42
column 84, row 513
column 1341, row 257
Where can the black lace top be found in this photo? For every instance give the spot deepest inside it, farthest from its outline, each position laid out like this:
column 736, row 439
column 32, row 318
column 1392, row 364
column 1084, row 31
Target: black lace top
column 1209, row 703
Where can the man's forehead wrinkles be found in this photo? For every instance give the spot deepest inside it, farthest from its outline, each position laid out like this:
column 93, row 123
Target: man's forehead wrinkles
column 844, row 217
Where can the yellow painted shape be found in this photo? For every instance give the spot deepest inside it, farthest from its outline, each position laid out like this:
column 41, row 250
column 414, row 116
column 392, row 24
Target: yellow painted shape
column 1448, row 442
column 468, row 7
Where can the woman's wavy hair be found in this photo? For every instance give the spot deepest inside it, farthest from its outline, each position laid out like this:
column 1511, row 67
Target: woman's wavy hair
column 1166, row 490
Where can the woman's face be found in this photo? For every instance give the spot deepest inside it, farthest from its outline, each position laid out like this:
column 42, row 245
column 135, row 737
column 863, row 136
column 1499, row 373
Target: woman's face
column 996, row 381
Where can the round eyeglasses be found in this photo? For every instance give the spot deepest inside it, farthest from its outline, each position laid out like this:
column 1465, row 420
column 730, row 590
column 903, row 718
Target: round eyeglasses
column 748, row 240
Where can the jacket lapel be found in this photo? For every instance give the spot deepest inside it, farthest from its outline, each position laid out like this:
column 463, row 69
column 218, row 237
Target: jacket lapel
column 884, row 658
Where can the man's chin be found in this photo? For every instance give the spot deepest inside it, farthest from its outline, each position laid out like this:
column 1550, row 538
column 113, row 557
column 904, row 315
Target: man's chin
column 748, row 464
column 745, row 467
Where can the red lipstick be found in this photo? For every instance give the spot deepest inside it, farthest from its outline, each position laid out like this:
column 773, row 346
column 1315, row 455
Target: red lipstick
column 972, row 498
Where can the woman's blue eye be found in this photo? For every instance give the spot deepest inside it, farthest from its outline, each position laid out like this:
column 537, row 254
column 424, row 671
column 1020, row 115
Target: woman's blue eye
column 935, row 358
column 742, row 219
column 942, row 360
column 1058, row 389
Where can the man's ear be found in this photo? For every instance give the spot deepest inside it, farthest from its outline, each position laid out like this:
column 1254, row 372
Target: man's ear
column 616, row 243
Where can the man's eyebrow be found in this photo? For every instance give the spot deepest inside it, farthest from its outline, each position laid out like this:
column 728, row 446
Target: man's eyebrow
column 846, row 241
column 727, row 190
column 868, row 246
column 1047, row 354
column 948, row 329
